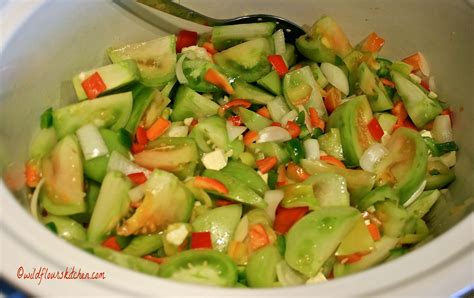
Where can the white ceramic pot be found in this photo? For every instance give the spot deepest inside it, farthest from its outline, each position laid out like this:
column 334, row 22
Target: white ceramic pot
column 44, row 43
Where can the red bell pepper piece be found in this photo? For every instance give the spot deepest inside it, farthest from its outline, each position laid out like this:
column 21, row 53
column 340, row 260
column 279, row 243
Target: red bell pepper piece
column 375, row 129
column 186, row 39
column 316, row 122
column 296, row 172
column 250, row 137
column 93, row 85
column 201, row 240
column 373, row 43
column 216, row 78
column 258, row 236
column 286, row 217
column 264, row 112
column 293, row 129
column 154, row 259
column 232, row 104
column 137, row 178
column 278, row 64
column 158, row 128
column 266, row 164
column 236, row 121
column 374, row 231
column 112, row 243
column 210, row 184
column 332, row 160
column 140, row 136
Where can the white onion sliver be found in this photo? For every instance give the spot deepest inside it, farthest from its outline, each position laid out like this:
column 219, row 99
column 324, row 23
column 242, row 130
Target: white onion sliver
column 233, row 132
column 279, row 41
column 311, row 148
column 371, row 156
column 91, row 141
column 415, row 195
column 273, row 198
column 177, row 131
column 273, row 134
column 287, row 276
column 336, row 77
column 118, row 162
column 432, row 83
column 137, row 193
column 290, row 116
column 242, row 229
column 34, row 199
column 179, row 70
column 442, row 131
column 424, row 66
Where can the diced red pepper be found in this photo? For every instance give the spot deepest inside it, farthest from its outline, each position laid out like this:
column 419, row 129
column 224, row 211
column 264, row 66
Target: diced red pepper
column 140, row 136
column 137, row 178
column 234, row 103
column 373, row 43
column 209, row 48
column 154, row 259
column 137, row 148
column 221, row 202
column 296, row 173
column 293, row 129
column 332, row 99
column 332, row 160
column 258, row 236
column 186, row 39
column 375, row 129
column 374, row 231
column 216, row 78
column 285, row 218
column 32, row 173
column 316, row 122
column 158, row 128
column 201, row 240
column 112, row 243
column 278, row 64
column 264, row 112
column 266, row 164
column 236, row 121
column 210, row 184
column 250, row 137
column 425, row 85
column 414, row 60
column 281, row 179
column 93, row 85
column 387, row 83
column 355, row 257
column 399, row 110
column 275, row 124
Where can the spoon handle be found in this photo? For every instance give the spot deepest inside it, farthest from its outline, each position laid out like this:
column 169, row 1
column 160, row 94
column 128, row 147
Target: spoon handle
column 180, row 11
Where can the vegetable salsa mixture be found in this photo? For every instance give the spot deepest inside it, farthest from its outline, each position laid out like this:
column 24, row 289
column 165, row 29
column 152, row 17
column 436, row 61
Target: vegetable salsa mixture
column 237, row 159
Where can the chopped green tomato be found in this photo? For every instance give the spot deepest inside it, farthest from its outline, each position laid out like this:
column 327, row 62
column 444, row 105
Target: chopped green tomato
column 358, row 240
column 401, row 67
column 112, row 205
column 317, row 73
column 247, row 60
column 424, row 203
column 261, row 268
column 195, row 71
column 380, row 253
column 237, row 190
column 315, row 237
column 204, row 266
column 393, row 218
column 250, row 92
column 156, row 59
column 299, row 195
column 221, row 223
column 127, row 261
column 167, row 200
column 314, row 49
column 224, row 37
column 270, row 149
column 246, row 175
column 92, row 193
column 386, row 121
column 114, row 76
column 352, row 119
column 359, row 182
column 43, row 143
column 64, row 181
column 157, row 108
column 66, row 227
column 290, row 54
column 438, row 175
column 330, row 143
column 142, row 245
column 330, row 189
column 210, row 133
column 271, row 82
column 420, row 107
column 371, row 86
column 188, row 103
column 378, row 194
column 96, row 168
column 252, row 120
column 199, row 193
column 405, row 165
column 143, row 97
column 110, row 111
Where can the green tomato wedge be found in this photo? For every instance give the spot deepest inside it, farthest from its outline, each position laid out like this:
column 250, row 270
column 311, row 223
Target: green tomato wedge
column 66, row 227
column 315, row 237
column 207, row 267
column 261, row 268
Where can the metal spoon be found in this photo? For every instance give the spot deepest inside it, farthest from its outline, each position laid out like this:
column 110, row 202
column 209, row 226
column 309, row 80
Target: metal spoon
column 291, row 30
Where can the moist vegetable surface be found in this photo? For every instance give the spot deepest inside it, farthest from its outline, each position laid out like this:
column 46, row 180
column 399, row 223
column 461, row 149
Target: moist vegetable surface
column 236, row 159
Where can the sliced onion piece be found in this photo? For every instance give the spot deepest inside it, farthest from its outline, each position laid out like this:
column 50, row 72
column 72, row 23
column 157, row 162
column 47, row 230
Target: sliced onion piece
column 273, row 198
column 287, row 276
column 416, row 194
column 424, row 66
column 92, row 143
column 34, row 199
column 432, row 83
column 336, row 77
column 371, row 156
column 290, row 116
column 442, row 131
column 137, row 193
column 179, row 70
column 279, row 41
column 311, row 147
column 273, row 134
column 242, row 229
column 118, row 162
column 177, row 131
column 233, row 132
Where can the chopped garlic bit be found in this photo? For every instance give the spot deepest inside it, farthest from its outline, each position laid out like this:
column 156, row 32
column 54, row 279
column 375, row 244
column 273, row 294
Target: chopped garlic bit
column 425, row 133
column 215, row 160
column 177, row 236
column 188, row 121
column 264, row 176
